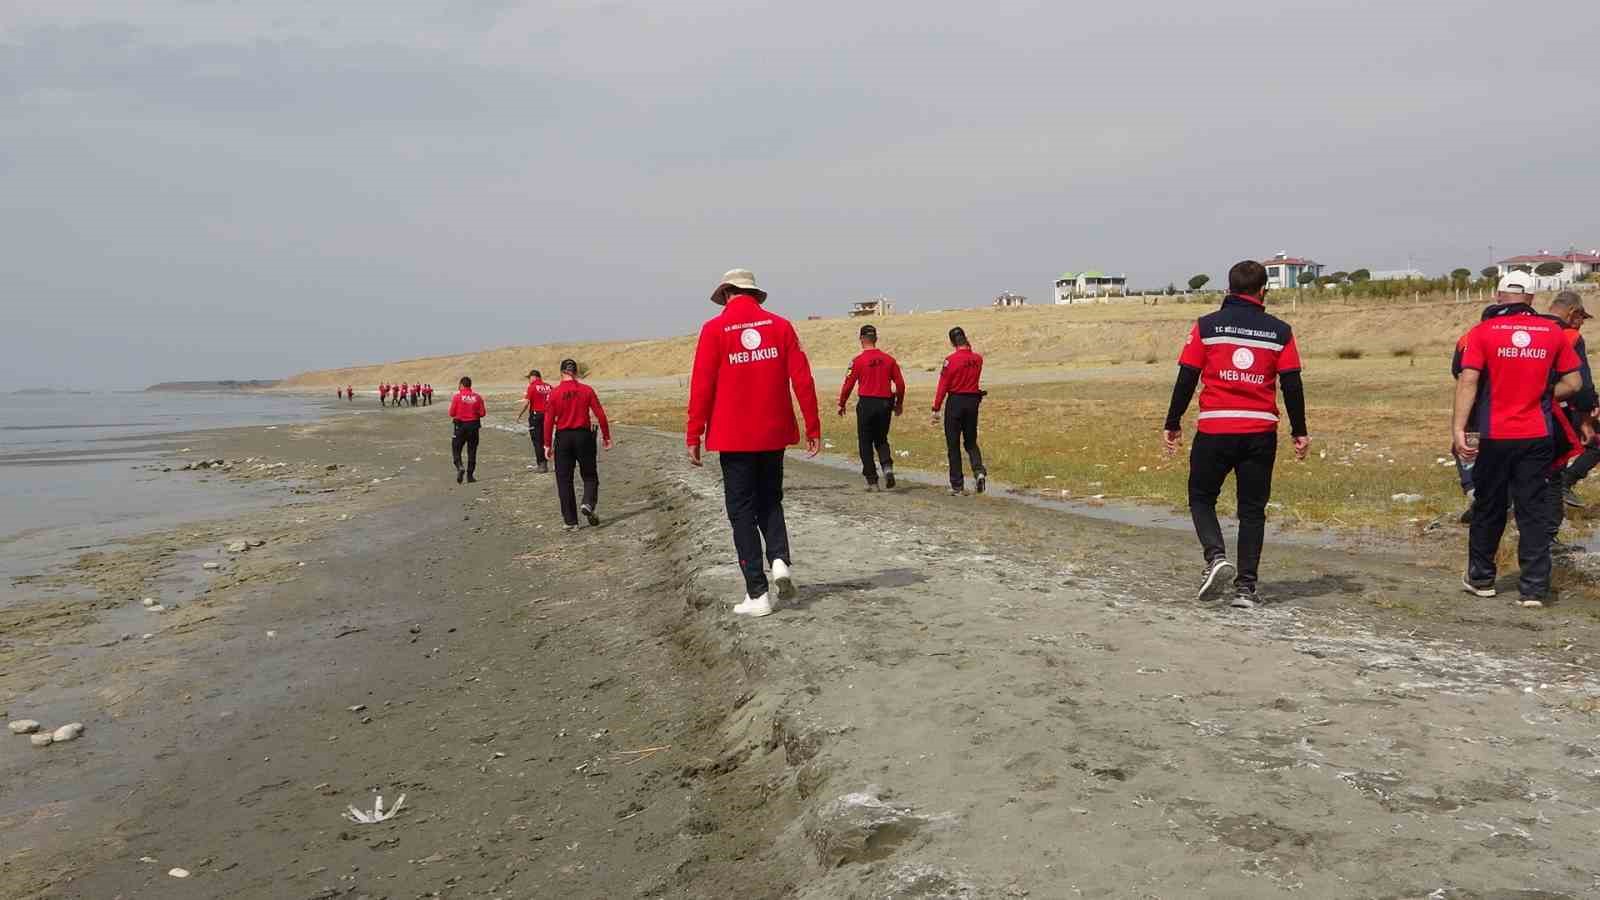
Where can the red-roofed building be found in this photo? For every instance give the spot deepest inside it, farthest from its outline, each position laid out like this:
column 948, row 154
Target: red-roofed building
column 1284, row 271
column 1574, row 267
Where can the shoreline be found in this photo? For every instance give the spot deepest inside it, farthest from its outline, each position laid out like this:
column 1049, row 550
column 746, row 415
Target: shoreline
column 945, row 700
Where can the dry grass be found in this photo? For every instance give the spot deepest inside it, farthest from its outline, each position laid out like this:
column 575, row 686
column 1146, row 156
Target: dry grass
column 1039, row 336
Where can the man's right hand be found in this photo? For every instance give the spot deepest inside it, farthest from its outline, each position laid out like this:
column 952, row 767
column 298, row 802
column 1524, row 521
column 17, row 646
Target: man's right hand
column 694, row 456
column 1466, row 453
column 1171, row 441
column 841, row 411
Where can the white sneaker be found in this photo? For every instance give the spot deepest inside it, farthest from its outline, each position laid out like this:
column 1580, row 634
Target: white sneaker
column 783, row 578
column 754, row 608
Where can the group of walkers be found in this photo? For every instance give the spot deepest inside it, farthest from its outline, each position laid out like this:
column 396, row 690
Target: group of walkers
column 1514, row 441
column 347, row 393
column 403, row 394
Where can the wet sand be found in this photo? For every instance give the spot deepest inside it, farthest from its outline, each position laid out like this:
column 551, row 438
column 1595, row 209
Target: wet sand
column 1003, row 701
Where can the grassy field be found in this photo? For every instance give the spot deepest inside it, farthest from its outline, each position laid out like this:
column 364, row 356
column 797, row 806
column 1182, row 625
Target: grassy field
column 1380, row 428
column 1029, row 337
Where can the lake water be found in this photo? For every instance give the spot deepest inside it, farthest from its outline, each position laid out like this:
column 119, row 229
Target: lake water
column 75, row 467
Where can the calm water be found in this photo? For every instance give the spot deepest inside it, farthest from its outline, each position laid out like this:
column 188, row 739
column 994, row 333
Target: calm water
column 74, row 468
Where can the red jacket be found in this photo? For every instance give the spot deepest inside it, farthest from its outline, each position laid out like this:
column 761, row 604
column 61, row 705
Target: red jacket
column 746, row 363
column 876, row 371
column 962, row 372
column 570, row 405
column 467, row 406
column 538, row 395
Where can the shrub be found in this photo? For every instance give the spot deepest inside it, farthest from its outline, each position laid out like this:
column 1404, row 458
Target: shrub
column 1198, row 282
column 1546, row 269
column 1404, row 351
column 1348, row 353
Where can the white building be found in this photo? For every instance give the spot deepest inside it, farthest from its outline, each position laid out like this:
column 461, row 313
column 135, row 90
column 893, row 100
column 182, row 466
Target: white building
column 1398, row 275
column 877, row 306
column 1084, row 287
column 1574, row 267
column 1284, row 271
column 1009, row 299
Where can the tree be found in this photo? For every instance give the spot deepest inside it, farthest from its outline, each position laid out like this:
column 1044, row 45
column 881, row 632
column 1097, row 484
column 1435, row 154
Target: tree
column 1490, row 273
column 1171, row 289
column 1360, row 276
column 1548, row 269
column 1461, row 275
column 1521, row 268
column 1198, row 282
column 1306, row 278
column 1338, row 277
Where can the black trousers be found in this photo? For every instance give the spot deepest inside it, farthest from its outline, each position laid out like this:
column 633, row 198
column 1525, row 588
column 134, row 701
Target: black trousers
column 576, row 448
column 1250, row 457
column 752, row 485
column 466, row 435
column 536, row 431
column 961, row 427
column 1512, row 473
column 873, row 417
column 1582, row 466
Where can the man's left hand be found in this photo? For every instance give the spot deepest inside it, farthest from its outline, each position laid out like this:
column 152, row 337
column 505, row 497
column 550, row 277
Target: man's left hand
column 813, row 446
column 1302, row 446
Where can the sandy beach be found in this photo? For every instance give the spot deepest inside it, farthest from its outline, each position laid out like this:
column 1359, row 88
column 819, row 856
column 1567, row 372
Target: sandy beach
column 1014, row 702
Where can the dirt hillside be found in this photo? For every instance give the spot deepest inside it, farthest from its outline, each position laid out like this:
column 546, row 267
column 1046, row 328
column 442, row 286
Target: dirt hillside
column 1031, row 336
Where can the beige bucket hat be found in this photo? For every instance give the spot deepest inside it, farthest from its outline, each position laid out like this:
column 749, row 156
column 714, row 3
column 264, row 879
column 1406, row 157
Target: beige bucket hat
column 741, row 280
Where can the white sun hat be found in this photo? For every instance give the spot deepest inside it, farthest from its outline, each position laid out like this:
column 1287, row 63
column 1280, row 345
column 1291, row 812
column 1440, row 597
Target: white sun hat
column 1516, row 282
column 741, row 280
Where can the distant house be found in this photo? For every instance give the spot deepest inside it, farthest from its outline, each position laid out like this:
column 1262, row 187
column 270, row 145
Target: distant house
column 1081, row 287
column 1398, row 275
column 1284, row 271
column 1009, row 299
column 1574, row 267
column 877, row 306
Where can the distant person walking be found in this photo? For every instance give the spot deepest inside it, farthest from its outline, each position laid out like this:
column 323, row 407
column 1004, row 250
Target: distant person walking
column 349, row 393
column 466, row 414
column 747, row 362
column 883, row 396
column 959, row 382
column 1240, row 354
column 1567, row 308
column 383, row 394
column 1574, row 431
column 427, row 395
column 569, row 436
column 535, row 402
column 1529, row 365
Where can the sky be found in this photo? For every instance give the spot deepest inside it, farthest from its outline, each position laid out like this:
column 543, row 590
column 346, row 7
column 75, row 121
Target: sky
column 199, row 189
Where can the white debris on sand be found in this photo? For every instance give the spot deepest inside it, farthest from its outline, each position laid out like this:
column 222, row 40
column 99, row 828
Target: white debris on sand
column 23, row 726
column 67, row 733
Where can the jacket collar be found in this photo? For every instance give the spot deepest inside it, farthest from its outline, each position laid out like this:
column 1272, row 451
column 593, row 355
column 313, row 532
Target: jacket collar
column 1235, row 299
column 743, row 302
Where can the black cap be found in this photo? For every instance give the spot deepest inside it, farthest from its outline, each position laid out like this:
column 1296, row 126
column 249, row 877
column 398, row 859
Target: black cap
column 958, row 337
column 569, row 366
column 535, row 374
column 870, row 332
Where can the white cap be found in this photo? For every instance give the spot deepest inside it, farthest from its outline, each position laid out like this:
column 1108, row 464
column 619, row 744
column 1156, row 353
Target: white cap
column 1516, row 282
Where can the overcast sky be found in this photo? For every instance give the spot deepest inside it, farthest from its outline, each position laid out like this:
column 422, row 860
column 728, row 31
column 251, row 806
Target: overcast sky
column 250, row 188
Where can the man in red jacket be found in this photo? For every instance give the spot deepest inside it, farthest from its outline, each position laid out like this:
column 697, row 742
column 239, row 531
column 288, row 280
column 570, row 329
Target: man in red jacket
column 466, row 411
column 959, row 380
column 883, row 396
column 569, row 437
column 535, row 402
column 383, row 394
column 745, row 365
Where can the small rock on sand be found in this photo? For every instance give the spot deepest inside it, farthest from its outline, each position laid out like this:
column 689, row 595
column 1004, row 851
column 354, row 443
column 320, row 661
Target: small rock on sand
column 41, row 740
column 211, row 566
column 178, row 873
column 23, row 726
column 67, row 733
column 238, row 546
column 149, row 602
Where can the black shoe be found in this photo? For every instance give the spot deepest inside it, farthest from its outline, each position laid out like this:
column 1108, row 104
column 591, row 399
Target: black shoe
column 958, row 492
column 1527, row 602
column 888, row 480
column 1215, row 579
column 461, row 474
column 471, row 479
column 1479, row 588
column 872, row 486
column 594, row 520
column 1571, row 499
column 983, row 482
column 1562, row 548
column 1244, row 598
column 544, row 468
column 569, row 529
